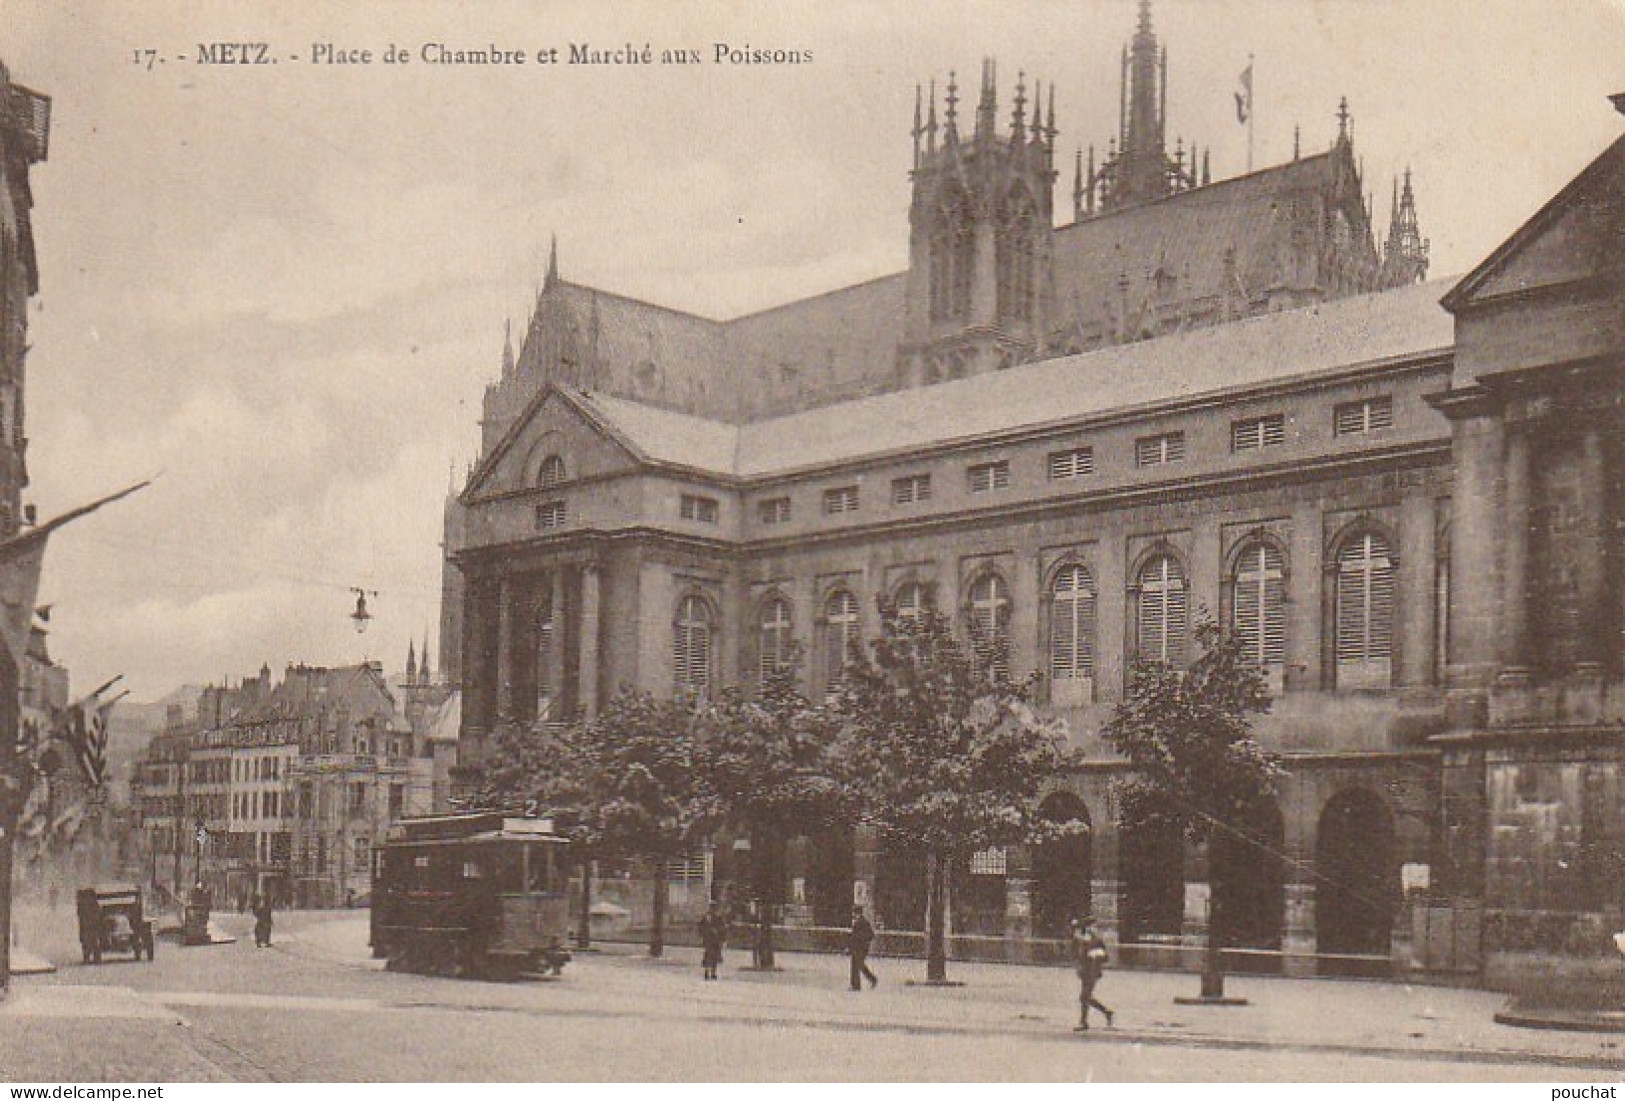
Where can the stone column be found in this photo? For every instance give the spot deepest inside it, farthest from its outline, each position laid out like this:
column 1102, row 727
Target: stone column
column 1515, row 561
column 505, row 648
column 589, row 640
column 1416, row 580
column 555, row 645
column 1592, row 561
column 1475, row 576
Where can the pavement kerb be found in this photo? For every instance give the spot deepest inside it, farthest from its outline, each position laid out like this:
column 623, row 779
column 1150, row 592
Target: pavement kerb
column 315, row 947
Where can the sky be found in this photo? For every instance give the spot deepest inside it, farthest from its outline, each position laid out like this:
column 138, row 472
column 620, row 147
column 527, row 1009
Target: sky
column 281, row 289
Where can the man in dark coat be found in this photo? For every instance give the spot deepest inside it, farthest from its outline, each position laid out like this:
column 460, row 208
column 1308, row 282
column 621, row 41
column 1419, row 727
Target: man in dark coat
column 261, row 906
column 1089, row 957
column 858, row 942
column 713, row 935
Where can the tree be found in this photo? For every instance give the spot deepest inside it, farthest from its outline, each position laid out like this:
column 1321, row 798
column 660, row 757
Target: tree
column 946, row 753
column 1188, row 734
column 651, row 805
column 766, row 761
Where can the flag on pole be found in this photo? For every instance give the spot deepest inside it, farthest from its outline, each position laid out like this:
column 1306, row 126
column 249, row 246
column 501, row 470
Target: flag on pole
column 20, row 560
column 1244, row 95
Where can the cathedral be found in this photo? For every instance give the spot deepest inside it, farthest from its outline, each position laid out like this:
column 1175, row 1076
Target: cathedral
column 1231, row 396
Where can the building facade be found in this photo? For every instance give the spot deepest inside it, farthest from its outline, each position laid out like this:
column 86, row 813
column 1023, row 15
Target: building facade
column 284, row 787
column 1221, row 398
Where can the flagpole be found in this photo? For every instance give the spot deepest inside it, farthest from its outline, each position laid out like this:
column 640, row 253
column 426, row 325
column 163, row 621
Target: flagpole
column 1252, row 109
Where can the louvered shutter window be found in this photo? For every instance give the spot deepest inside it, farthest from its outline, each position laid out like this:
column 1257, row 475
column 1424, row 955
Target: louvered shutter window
column 1365, row 606
column 1075, row 463
column 1260, row 605
column 910, row 601
column 1358, row 417
column 1072, row 630
column 989, row 618
column 1256, row 433
column 840, row 634
column 550, row 471
column 691, row 658
column 1162, row 610
column 775, row 638
column 986, row 477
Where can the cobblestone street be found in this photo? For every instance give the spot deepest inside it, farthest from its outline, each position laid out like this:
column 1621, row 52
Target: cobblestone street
column 317, row 1007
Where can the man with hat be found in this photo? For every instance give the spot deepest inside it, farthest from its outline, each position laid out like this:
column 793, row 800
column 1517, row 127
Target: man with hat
column 858, row 942
column 1089, row 957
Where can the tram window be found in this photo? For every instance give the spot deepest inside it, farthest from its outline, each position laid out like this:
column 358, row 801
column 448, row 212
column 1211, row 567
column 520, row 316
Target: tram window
column 509, row 862
column 472, row 870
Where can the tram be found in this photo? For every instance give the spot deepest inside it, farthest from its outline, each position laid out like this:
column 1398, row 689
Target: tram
column 479, row 895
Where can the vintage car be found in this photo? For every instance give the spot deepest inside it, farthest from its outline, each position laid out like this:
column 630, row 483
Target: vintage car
column 111, row 919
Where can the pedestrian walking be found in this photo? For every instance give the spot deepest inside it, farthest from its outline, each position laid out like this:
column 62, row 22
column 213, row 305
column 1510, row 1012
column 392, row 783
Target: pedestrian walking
column 713, row 936
column 261, row 905
column 1089, row 956
column 857, row 944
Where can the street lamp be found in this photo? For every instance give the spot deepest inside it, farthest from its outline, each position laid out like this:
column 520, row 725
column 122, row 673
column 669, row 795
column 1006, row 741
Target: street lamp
column 361, row 616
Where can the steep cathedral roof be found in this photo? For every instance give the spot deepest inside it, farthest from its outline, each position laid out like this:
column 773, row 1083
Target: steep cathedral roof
column 1196, row 248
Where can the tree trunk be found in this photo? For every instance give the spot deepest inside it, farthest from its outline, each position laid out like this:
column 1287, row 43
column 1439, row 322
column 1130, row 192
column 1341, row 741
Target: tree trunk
column 766, row 894
column 1212, row 965
column 584, row 929
column 657, row 930
column 936, row 915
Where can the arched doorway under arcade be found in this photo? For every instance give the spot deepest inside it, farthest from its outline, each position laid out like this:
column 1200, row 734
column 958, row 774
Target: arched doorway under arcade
column 1247, row 880
column 1151, row 877
column 1062, row 869
column 1356, row 875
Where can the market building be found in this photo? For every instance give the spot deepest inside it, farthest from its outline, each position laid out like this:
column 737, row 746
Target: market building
column 1199, row 396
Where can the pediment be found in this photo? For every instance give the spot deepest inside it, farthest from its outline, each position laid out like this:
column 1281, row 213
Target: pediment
column 553, row 433
column 1577, row 237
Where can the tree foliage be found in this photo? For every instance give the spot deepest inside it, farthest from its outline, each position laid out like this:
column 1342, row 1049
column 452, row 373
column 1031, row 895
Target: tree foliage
column 1188, row 734
column 945, row 747
column 772, row 758
column 947, row 754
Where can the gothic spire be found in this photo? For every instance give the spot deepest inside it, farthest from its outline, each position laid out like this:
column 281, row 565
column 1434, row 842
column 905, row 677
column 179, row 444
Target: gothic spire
column 951, row 124
column 425, row 670
column 919, row 129
column 1343, row 134
column 507, row 349
column 987, row 107
column 1018, row 118
column 1405, row 252
column 552, row 263
column 931, row 120
column 411, row 662
column 1077, row 185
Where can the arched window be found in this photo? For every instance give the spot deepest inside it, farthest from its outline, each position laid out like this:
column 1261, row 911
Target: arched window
column 776, row 638
column 550, row 471
column 1014, row 259
column 840, row 636
column 1162, row 608
column 1072, row 636
column 1365, row 612
column 1258, row 607
column 951, row 245
column 691, row 647
column 911, row 601
column 990, row 621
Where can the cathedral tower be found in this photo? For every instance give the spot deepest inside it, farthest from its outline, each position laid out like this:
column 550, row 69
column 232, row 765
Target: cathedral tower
column 980, row 288
column 1138, row 169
